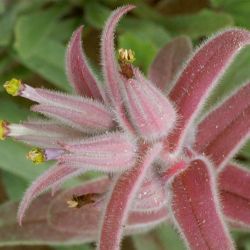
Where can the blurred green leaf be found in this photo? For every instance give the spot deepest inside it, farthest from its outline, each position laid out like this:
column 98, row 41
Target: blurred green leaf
column 82, row 247
column 32, row 29
column 96, row 14
column 163, row 237
column 2, row 7
column 203, row 23
column 48, row 61
column 14, row 185
column 36, row 50
column 239, row 9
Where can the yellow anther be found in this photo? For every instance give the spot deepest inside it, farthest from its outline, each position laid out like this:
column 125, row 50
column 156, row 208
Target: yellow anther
column 36, row 155
column 3, row 129
column 13, row 87
column 126, row 55
column 72, row 204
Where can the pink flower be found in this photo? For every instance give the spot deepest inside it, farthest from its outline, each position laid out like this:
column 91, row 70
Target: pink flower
column 163, row 162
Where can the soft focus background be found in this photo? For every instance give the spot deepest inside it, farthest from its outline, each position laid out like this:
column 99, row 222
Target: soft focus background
column 33, row 38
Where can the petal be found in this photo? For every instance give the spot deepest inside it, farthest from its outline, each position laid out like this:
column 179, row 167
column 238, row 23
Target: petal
column 35, row 229
column 109, row 153
column 151, row 113
column 43, row 133
column 108, row 56
column 116, row 212
column 60, row 215
column 227, row 143
column 201, row 75
column 54, row 175
column 222, row 116
column 110, row 69
column 235, row 196
column 168, row 61
column 79, row 73
column 89, row 119
column 194, row 207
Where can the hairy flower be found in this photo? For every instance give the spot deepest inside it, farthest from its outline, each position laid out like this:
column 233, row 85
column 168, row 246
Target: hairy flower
column 162, row 161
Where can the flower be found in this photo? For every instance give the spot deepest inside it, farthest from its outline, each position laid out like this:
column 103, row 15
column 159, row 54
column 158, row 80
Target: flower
column 162, row 161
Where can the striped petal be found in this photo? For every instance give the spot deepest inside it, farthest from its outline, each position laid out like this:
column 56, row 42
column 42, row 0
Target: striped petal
column 59, row 214
column 200, row 76
column 213, row 125
column 79, row 73
column 194, row 207
column 168, row 62
column 151, row 113
column 53, row 176
column 127, row 184
column 234, row 189
column 112, row 152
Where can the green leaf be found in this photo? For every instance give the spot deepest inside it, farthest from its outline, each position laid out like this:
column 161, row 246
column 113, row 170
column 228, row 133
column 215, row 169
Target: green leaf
column 16, row 191
column 31, row 30
column 238, row 9
column 163, row 237
column 82, row 247
column 96, row 14
column 37, row 50
column 203, row 23
column 48, row 61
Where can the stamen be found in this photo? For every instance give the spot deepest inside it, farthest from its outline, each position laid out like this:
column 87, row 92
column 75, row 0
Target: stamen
column 3, row 129
column 36, row 155
column 79, row 201
column 14, row 87
column 126, row 57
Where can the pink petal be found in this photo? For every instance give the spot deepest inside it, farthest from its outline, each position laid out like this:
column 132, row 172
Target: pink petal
column 168, row 61
column 221, row 117
column 88, row 120
column 226, row 144
column 108, row 56
column 115, row 142
column 79, row 73
column 151, row 113
column 35, row 229
column 86, row 218
column 53, row 176
column 151, row 196
column 46, row 134
column 118, row 206
column 201, row 75
column 195, row 208
column 235, row 196
column 110, row 69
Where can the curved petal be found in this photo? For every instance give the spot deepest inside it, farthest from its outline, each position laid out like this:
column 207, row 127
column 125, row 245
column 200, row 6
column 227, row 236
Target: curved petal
column 234, row 190
column 200, row 76
column 151, row 113
column 168, row 62
column 194, row 207
column 110, row 69
column 116, row 212
column 212, row 125
column 79, row 73
column 54, row 175
column 59, row 214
